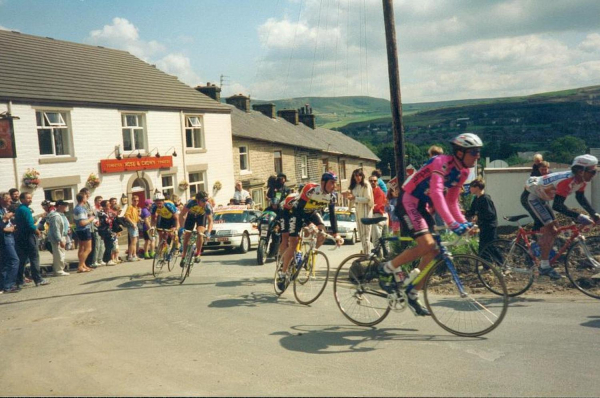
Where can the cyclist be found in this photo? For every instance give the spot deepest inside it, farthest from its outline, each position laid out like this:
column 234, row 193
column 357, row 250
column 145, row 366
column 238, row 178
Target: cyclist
column 164, row 218
column 437, row 185
column 285, row 212
column 558, row 186
column 306, row 209
column 198, row 212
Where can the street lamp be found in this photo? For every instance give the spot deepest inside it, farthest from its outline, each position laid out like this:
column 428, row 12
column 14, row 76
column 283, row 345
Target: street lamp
column 117, row 152
column 174, row 153
column 157, row 153
column 139, row 153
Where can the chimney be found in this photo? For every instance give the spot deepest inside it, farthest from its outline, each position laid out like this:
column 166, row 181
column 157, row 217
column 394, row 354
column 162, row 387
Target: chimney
column 291, row 115
column 266, row 109
column 307, row 117
column 211, row 90
column 240, row 101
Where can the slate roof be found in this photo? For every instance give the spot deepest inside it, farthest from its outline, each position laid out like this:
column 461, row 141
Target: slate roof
column 255, row 125
column 43, row 70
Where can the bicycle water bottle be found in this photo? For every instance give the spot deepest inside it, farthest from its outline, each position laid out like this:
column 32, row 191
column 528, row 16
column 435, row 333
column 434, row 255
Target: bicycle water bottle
column 298, row 257
column 535, row 248
column 400, row 275
column 411, row 277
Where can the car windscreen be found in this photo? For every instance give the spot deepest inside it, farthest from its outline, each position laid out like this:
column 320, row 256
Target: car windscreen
column 232, row 217
column 347, row 217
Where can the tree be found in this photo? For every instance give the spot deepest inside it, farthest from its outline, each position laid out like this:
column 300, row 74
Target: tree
column 564, row 149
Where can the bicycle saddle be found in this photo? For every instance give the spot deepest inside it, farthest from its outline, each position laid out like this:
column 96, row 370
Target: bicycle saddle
column 516, row 218
column 373, row 220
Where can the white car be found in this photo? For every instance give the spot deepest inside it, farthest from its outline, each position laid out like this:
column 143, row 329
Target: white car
column 234, row 229
column 346, row 223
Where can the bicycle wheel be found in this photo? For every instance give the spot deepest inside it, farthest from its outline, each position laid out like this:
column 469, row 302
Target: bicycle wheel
column 172, row 258
column 583, row 269
column 158, row 262
column 278, row 268
column 311, row 278
column 469, row 310
column 357, row 292
column 186, row 263
column 513, row 261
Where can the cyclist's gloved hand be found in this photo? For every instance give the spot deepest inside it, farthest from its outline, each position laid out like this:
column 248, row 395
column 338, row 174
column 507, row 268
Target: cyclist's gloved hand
column 460, row 228
column 584, row 220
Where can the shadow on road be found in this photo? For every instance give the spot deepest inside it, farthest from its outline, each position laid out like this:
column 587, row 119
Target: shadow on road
column 244, row 282
column 594, row 323
column 322, row 339
column 250, row 300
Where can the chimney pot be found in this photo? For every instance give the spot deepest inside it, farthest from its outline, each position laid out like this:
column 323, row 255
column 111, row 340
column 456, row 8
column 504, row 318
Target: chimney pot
column 213, row 91
column 266, row 109
column 240, row 101
column 291, row 115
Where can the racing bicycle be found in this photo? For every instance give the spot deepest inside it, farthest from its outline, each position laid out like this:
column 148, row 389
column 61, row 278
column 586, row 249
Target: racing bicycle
column 188, row 258
column 165, row 255
column 452, row 285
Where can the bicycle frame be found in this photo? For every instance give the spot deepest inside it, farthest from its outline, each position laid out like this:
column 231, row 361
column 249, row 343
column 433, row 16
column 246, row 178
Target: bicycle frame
column 575, row 234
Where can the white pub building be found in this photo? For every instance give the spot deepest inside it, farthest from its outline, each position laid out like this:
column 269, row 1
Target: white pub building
column 70, row 111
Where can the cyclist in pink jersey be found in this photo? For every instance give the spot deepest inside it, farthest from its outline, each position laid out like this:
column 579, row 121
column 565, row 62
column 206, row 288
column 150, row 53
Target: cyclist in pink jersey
column 436, row 185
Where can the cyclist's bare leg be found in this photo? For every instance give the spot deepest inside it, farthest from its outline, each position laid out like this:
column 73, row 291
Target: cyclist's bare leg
column 186, row 239
column 289, row 253
column 284, row 242
column 546, row 240
column 320, row 237
column 426, row 250
column 200, row 240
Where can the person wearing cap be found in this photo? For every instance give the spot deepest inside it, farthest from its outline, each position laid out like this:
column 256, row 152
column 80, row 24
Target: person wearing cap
column 26, row 239
column 58, row 227
column 146, row 217
column 558, row 186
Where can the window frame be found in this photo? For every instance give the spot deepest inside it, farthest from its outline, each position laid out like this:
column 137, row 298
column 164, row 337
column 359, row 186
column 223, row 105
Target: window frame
column 72, row 202
column 260, row 197
column 278, row 161
column 202, row 182
column 342, row 170
column 165, row 189
column 246, row 154
column 191, row 128
column 140, row 126
column 304, row 166
column 63, row 127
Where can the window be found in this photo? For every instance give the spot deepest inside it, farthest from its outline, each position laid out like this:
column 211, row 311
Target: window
column 342, row 169
column 168, row 186
column 197, row 183
column 325, row 165
column 53, row 133
column 133, row 132
column 62, row 193
column 257, row 197
column 304, row 166
column 244, row 165
column 194, row 137
column 278, row 162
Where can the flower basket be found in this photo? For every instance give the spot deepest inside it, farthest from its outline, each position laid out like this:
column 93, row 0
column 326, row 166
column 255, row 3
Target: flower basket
column 31, row 178
column 217, row 187
column 93, row 181
column 183, row 185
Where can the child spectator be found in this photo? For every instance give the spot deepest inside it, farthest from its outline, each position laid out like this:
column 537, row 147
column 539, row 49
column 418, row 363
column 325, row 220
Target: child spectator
column 483, row 208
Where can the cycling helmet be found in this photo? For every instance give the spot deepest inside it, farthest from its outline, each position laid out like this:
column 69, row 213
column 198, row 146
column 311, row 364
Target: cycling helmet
column 328, row 175
column 585, row 161
column 159, row 196
column 201, row 195
column 466, row 140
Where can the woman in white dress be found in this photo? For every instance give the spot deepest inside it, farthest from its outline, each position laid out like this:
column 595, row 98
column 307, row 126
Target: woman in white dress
column 360, row 195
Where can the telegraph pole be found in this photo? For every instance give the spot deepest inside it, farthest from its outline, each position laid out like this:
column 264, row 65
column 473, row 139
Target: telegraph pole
column 395, row 97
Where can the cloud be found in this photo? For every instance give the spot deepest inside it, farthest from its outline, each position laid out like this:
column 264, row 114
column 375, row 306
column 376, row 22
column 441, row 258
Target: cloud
column 591, row 43
column 124, row 35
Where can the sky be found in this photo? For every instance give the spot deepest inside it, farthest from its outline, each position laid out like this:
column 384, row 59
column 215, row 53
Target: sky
column 275, row 49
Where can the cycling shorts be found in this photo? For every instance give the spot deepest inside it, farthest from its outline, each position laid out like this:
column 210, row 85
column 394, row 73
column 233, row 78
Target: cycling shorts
column 297, row 221
column 165, row 223
column 192, row 221
column 540, row 211
column 284, row 220
column 414, row 218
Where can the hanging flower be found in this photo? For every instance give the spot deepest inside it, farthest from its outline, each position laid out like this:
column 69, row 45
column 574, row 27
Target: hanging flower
column 217, row 187
column 183, row 185
column 31, row 178
column 93, row 181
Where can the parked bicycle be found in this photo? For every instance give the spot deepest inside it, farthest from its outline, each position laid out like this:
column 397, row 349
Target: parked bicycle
column 518, row 259
column 166, row 254
column 308, row 270
column 452, row 286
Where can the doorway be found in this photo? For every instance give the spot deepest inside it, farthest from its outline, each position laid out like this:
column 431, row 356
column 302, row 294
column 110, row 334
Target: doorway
column 140, row 189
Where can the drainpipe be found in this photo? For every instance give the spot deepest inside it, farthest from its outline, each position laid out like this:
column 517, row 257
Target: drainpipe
column 185, row 173
column 17, row 185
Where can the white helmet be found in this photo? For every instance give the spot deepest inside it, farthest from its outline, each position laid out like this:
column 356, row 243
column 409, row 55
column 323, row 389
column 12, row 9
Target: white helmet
column 585, row 161
column 159, row 196
column 467, row 140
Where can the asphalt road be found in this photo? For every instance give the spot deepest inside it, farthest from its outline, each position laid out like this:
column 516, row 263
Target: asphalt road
column 119, row 331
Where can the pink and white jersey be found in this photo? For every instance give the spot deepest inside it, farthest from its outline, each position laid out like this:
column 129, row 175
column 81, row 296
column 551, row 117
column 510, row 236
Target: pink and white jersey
column 427, row 185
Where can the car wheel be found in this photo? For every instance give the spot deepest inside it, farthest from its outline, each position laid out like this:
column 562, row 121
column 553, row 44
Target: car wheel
column 352, row 240
column 245, row 244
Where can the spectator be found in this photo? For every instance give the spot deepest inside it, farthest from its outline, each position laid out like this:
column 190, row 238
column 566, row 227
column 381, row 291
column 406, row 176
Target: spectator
column 146, row 217
column 361, row 194
column 435, row 150
column 380, row 183
column 117, row 228
column 379, row 201
column 42, row 226
column 105, row 230
column 537, row 161
column 241, row 196
column 58, row 227
column 91, row 210
column 98, row 241
column 392, row 202
column 483, row 208
column 26, row 242
column 544, row 168
column 9, row 261
column 132, row 215
column 14, row 197
column 83, row 229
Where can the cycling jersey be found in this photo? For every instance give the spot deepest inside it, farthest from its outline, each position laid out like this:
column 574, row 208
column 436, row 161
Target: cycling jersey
column 308, row 203
column 198, row 208
column 166, row 212
column 438, row 175
column 546, row 187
